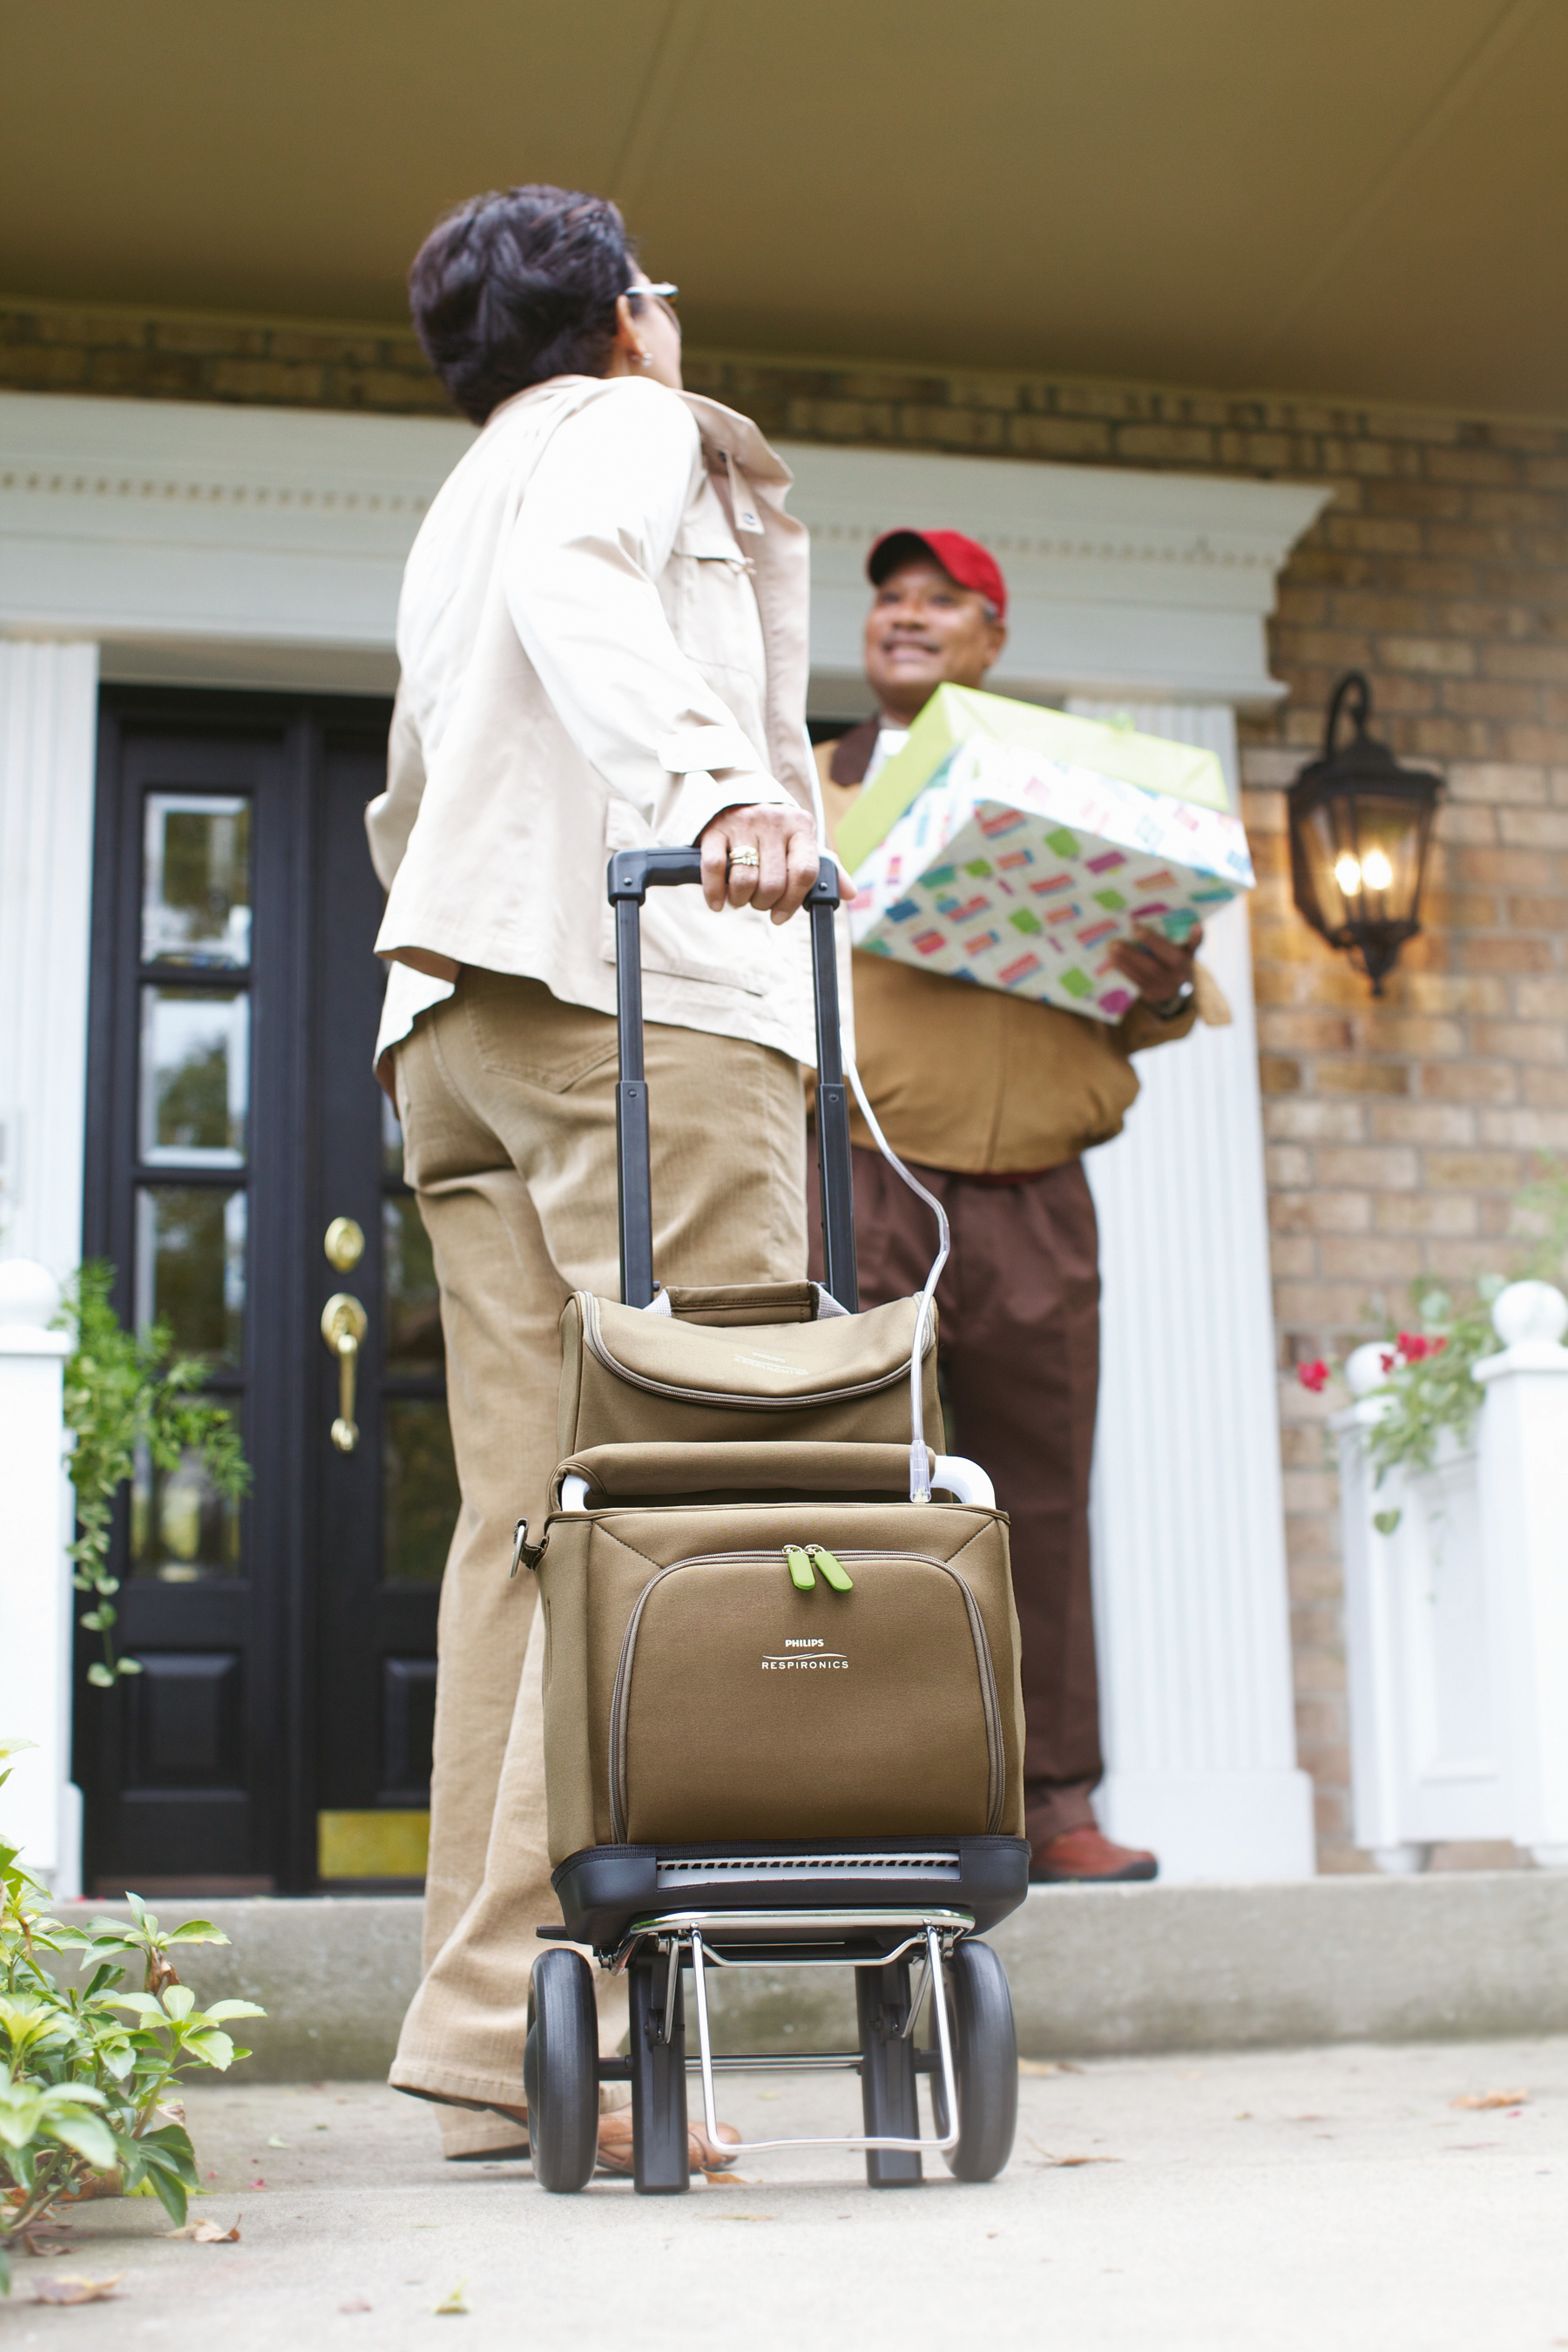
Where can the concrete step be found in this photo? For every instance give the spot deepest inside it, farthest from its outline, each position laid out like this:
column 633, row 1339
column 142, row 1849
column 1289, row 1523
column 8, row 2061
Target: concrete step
column 1095, row 1970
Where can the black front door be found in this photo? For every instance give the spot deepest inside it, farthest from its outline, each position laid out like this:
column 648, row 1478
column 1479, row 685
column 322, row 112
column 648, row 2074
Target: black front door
column 244, row 1178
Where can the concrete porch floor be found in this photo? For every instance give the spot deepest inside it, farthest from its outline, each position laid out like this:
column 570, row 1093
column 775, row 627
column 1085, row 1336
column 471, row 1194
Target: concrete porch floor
column 1288, row 2200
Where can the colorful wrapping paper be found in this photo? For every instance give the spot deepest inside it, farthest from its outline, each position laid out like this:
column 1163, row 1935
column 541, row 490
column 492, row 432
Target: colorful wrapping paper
column 1018, row 870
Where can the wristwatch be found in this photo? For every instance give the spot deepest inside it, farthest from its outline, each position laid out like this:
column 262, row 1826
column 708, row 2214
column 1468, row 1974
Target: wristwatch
column 1175, row 1006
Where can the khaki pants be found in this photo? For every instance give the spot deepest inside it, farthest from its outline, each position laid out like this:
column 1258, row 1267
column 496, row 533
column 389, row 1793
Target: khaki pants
column 507, row 1099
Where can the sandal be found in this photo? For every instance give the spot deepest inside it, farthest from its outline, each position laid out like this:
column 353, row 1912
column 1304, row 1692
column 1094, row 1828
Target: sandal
column 616, row 2144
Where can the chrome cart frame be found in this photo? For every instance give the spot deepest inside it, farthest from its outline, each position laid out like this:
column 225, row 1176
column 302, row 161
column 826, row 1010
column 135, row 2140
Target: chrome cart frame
column 697, row 1940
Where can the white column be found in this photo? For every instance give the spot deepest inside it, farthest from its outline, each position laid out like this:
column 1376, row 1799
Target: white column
column 1191, row 1606
column 40, row 1810
column 48, row 728
column 1524, row 1523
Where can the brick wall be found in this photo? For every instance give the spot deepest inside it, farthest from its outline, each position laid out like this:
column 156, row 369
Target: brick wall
column 1399, row 1132
column 127, row 354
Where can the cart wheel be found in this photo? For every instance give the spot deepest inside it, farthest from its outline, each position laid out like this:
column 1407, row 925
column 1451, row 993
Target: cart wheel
column 985, row 2062
column 561, row 2071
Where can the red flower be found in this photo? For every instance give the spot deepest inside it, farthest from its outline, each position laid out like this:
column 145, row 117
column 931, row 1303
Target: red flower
column 1438, row 1346
column 1413, row 1347
column 1388, row 1359
column 1314, row 1376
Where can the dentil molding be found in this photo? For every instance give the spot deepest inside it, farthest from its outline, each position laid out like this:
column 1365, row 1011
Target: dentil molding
column 213, row 544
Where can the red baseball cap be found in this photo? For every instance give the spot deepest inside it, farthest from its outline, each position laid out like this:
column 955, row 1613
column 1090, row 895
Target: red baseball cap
column 963, row 558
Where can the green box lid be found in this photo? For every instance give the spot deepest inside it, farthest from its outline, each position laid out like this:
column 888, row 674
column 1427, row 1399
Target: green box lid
column 957, row 715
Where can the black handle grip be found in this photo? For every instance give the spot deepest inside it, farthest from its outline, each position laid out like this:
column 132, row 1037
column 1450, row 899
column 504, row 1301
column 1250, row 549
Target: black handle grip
column 632, row 873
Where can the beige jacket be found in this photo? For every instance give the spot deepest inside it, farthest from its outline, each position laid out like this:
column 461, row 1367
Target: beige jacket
column 603, row 643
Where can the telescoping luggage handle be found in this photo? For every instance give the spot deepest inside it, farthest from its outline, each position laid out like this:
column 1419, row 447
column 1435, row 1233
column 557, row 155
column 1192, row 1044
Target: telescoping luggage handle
column 633, row 872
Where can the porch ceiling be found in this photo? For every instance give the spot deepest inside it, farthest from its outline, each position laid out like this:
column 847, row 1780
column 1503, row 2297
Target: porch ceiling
column 1361, row 198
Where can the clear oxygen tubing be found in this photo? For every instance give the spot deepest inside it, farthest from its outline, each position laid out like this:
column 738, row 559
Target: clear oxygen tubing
column 920, row 1458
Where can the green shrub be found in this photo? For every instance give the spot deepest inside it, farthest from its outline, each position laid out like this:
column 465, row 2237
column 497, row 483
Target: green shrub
column 86, row 2071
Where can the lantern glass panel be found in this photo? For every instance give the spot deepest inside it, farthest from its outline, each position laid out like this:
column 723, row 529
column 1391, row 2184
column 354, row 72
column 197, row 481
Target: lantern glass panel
column 1365, row 850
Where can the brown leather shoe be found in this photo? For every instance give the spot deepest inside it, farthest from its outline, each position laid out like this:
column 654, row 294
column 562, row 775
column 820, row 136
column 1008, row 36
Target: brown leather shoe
column 1084, row 1858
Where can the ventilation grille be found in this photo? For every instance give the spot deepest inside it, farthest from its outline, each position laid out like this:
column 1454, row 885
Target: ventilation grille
column 808, row 1865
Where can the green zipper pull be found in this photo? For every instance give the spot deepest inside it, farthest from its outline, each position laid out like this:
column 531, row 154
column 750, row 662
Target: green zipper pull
column 834, row 1571
column 800, row 1569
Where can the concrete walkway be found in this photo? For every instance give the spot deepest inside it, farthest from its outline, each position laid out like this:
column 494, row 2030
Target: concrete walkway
column 1262, row 2201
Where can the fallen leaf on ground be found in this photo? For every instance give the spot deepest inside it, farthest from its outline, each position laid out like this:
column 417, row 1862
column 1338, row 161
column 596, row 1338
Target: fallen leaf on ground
column 68, row 2288
column 93, row 2184
column 452, row 2306
column 359, row 2304
column 1046, row 2066
column 727, row 2181
column 276, row 2142
column 1491, row 2099
column 1064, row 2163
column 255, row 2184
column 206, row 2233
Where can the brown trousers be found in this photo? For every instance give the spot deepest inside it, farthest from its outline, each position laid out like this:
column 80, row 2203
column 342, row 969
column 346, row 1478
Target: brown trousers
column 1020, row 1302
column 507, row 1099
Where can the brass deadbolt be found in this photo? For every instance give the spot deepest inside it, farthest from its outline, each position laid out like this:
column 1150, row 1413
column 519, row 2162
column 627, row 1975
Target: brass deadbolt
column 344, row 1244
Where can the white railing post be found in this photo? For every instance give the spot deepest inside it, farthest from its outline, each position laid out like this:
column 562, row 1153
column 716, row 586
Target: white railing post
column 40, row 1810
column 1426, row 1746
column 1524, row 1522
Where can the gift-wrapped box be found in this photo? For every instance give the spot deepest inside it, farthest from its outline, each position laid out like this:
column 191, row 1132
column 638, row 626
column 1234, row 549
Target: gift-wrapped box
column 1012, row 846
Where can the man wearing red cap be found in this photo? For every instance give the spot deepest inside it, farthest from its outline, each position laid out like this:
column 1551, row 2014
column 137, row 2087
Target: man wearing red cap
column 991, row 1100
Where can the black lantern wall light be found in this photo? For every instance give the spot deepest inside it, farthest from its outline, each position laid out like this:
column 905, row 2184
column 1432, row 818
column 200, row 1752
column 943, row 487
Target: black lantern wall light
column 1359, row 826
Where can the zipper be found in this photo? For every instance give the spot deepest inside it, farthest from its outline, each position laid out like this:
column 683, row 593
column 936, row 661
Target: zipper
column 990, row 1705
column 716, row 1397
column 803, row 1562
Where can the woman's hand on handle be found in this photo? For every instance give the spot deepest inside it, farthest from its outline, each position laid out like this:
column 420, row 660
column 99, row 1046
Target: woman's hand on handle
column 780, row 868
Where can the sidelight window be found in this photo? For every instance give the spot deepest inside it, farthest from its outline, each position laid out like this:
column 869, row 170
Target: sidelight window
column 193, row 1098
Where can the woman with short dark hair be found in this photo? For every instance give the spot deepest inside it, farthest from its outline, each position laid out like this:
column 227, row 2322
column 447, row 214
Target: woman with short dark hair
column 602, row 644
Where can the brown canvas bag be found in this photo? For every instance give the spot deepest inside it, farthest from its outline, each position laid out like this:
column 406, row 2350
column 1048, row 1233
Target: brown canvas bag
column 766, row 1643
column 752, row 1360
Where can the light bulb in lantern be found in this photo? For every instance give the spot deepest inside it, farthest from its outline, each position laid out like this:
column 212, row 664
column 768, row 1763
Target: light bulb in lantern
column 1347, row 874
column 1375, row 870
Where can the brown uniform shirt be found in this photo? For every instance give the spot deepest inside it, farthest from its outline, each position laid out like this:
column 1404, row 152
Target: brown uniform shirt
column 971, row 1080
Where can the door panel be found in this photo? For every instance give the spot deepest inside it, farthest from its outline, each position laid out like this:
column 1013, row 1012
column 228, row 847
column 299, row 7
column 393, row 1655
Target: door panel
column 387, row 1508
column 287, row 1643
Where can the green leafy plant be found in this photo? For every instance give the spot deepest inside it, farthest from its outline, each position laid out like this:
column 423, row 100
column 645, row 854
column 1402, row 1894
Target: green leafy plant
column 1429, row 1388
column 1430, row 1391
column 126, row 1391
column 88, row 2072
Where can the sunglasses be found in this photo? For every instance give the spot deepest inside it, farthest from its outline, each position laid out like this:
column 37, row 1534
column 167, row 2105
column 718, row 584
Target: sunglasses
column 663, row 294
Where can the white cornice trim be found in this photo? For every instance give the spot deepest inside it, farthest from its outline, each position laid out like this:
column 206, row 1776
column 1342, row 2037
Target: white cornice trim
column 234, row 544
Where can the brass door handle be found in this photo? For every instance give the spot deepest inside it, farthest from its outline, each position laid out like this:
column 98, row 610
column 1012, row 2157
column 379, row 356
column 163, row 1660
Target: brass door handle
column 343, row 1325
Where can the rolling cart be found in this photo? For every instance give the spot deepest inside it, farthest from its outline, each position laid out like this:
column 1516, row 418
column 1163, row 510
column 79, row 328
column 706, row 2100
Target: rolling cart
column 904, row 1914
